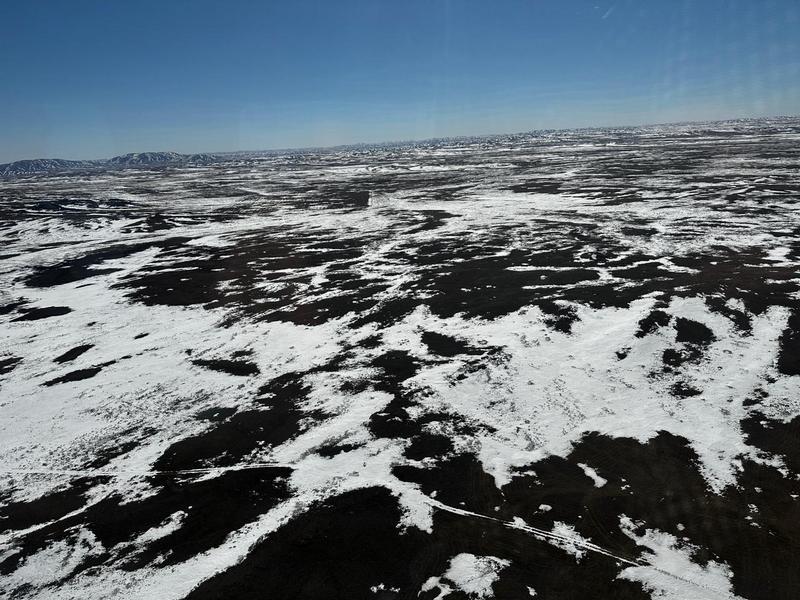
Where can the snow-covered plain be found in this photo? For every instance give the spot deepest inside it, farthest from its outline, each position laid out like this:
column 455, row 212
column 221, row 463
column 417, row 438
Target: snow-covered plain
column 561, row 365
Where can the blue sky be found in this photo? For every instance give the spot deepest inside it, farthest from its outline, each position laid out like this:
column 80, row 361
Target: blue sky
column 91, row 79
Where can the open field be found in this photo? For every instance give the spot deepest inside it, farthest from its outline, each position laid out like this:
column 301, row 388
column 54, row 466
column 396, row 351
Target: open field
column 563, row 365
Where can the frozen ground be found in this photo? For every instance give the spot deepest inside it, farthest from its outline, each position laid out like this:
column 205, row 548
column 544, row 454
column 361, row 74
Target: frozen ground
column 559, row 366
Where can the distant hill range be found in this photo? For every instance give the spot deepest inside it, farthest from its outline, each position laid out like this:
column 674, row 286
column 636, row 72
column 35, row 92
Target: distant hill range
column 133, row 160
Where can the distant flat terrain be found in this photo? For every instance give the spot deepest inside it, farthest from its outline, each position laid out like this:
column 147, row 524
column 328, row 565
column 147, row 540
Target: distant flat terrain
column 559, row 365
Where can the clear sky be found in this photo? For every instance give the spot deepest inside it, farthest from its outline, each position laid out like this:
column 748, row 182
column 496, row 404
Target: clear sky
column 91, row 79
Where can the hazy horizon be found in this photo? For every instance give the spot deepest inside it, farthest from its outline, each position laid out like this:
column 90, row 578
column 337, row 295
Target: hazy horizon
column 108, row 79
column 412, row 141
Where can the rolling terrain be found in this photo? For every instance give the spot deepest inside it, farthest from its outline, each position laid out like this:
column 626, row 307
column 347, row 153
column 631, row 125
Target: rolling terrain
column 558, row 365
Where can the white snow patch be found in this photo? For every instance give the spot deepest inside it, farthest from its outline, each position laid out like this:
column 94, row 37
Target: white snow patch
column 592, row 474
column 672, row 575
column 547, row 389
column 170, row 525
column 54, row 562
column 568, row 537
column 473, row 575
